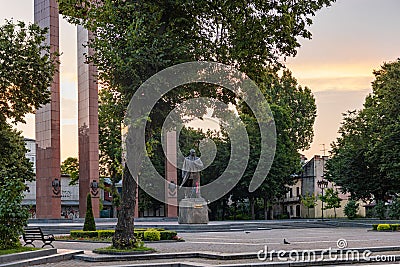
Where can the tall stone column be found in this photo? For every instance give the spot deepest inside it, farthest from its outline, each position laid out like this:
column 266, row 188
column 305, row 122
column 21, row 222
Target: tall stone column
column 88, row 125
column 171, row 190
column 47, row 121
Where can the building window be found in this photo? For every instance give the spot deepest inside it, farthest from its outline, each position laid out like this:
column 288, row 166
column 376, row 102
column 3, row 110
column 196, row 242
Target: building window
column 291, row 193
column 298, row 191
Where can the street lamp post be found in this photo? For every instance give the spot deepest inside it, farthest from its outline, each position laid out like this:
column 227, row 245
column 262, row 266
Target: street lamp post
column 322, row 184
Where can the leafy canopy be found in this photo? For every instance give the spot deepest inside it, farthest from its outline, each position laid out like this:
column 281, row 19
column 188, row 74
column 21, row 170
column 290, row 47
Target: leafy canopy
column 26, row 69
column 365, row 156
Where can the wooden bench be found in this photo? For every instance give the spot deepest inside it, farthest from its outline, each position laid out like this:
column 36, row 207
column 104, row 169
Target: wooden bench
column 35, row 233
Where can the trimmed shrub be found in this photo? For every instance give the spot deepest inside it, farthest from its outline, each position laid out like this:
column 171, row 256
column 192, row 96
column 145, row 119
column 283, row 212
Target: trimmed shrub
column 351, row 209
column 89, row 224
column 383, row 227
column 167, row 235
column 105, row 233
column 139, row 235
column 375, row 227
column 83, row 234
column 394, row 227
column 152, row 235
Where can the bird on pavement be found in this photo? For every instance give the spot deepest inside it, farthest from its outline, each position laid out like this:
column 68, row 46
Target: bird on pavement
column 286, row 242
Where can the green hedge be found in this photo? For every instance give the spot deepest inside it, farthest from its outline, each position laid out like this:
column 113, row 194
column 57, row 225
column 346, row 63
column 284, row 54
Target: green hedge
column 394, row 227
column 383, row 227
column 152, row 235
column 83, row 234
column 105, row 233
column 375, row 227
column 167, row 235
column 139, row 234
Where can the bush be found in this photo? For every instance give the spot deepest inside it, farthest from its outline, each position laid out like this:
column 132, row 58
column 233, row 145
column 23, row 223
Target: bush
column 167, row 235
column 152, row 235
column 394, row 227
column 139, row 235
column 351, row 209
column 375, row 227
column 380, row 210
column 83, row 234
column 89, row 224
column 15, row 170
column 105, row 233
column 383, row 227
column 394, row 210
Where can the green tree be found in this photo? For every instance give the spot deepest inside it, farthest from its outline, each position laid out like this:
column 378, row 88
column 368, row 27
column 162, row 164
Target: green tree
column 90, row 224
column 111, row 113
column 380, row 209
column 331, row 199
column 70, row 166
column 26, row 71
column 351, row 209
column 15, row 170
column 368, row 146
column 394, row 209
column 294, row 111
column 134, row 40
column 309, row 201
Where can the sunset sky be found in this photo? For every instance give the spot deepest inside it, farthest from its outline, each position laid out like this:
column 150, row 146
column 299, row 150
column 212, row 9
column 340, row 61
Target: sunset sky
column 350, row 40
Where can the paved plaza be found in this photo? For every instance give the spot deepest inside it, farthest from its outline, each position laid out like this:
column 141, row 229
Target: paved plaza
column 248, row 241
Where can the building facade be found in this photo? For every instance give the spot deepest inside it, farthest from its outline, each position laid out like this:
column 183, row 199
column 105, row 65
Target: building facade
column 306, row 183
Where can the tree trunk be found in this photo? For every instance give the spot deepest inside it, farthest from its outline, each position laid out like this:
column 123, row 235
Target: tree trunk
column 252, row 204
column 234, row 210
column 124, row 232
column 223, row 210
column 265, row 208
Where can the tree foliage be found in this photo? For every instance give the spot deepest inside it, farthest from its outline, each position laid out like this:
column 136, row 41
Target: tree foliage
column 26, row 70
column 331, row 199
column 365, row 156
column 351, row 209
column 70, row 166
column 135, row 39
column 111, row 113
column 89, row 224
column 309, row 201
column 15, row 171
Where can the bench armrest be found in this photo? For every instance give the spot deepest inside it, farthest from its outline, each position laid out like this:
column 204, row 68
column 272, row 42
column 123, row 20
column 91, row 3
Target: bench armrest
column 49, row 237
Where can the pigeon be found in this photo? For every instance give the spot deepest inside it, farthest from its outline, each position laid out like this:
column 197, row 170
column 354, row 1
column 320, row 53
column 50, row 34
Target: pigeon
column 247, row 232
column 286, row 242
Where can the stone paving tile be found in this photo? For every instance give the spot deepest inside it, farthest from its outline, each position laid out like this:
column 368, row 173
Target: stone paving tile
column 237, row 242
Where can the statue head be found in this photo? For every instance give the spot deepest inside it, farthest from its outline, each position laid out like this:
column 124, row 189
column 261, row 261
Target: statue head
column 192, row 152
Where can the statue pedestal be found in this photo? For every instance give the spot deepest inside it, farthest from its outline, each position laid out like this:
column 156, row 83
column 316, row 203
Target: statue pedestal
column 193, row 211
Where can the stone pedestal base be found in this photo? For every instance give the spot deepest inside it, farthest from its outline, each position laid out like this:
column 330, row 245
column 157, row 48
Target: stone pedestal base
column 193, row 211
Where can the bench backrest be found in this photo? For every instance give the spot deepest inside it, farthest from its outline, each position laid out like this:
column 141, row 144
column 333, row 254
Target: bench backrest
column 33, row 233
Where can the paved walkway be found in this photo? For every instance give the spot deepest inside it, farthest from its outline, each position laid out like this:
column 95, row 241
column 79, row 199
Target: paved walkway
column 253, row 241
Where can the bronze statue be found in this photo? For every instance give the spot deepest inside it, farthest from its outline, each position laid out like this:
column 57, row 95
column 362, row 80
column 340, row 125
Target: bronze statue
column 191, row 168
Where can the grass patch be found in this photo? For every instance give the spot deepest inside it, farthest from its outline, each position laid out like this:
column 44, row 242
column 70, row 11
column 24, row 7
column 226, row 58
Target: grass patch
column 93, row 239
column 17, row 250
column 112, row 250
